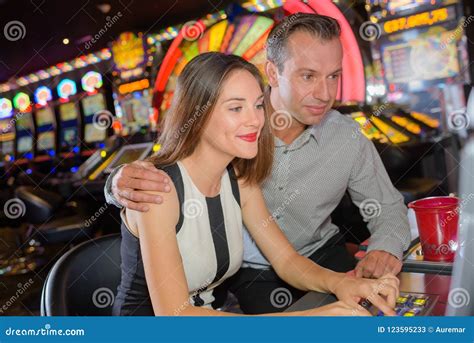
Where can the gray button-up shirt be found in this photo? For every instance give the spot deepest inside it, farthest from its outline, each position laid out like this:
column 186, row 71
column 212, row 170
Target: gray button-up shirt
column 311, row 175
column 308, row 180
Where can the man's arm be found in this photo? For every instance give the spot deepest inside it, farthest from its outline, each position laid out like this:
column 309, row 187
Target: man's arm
column 126, row 186
column 381, row 205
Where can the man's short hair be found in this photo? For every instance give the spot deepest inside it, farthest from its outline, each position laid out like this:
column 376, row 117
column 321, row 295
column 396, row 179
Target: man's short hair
column 320, row 26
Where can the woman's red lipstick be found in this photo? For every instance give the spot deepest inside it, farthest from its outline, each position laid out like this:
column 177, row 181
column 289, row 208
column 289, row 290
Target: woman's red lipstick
column 251, row 137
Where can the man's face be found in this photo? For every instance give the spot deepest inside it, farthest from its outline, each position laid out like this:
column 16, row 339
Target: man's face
column 307, row 86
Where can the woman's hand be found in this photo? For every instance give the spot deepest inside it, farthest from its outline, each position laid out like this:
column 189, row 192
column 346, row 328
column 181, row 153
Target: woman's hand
column 339, row 308
column 382, row 293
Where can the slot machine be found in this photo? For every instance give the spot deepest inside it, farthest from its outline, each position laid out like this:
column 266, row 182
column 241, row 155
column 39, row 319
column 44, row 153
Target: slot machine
column 7, row 136
column 25, row 129
column 69, row 118
column 97, row 118
column 46, row 130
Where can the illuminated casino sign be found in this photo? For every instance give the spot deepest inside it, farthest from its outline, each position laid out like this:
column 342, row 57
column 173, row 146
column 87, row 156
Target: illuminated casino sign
column 134, row 86
column 128, row 51
column 427, row 18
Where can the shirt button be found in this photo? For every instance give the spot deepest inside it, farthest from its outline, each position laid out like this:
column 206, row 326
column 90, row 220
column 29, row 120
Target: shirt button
column 278, row 217
column 280, row 188
column 285, row 152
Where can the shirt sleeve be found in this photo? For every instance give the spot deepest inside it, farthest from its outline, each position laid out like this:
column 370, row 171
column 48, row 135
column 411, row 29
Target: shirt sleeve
column 379, row 203
column 109, row 196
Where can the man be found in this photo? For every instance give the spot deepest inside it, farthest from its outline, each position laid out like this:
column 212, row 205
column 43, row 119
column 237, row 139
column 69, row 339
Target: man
column 319, row 154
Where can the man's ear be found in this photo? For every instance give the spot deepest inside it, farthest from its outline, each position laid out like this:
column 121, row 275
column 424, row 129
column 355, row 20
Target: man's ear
column 272, row 73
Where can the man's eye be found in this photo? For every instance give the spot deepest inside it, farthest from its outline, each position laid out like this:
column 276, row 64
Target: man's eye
column 335, row 76
column 236, row 109
column 307, row 77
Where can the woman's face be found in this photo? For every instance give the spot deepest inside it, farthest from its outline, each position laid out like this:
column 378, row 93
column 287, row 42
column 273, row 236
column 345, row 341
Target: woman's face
column 238, row 117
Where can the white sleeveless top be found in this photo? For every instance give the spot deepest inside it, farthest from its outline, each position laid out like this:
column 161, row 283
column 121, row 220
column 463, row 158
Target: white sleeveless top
column 210, row 237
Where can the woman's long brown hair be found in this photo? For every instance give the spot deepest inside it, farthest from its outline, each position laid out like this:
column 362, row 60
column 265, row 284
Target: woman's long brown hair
column 198, row 88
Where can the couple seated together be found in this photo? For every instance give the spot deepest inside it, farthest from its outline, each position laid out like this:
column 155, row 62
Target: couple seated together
column 234, row 201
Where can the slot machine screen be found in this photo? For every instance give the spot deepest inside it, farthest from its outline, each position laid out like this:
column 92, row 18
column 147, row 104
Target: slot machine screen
column 69, row 137
column 93, row 104
column 25, row 144
column 24, row 121
column 46, row 140
column 407, row 61
column 68, row 111
column 128, row 154
column 45, row 116
column 94, row 134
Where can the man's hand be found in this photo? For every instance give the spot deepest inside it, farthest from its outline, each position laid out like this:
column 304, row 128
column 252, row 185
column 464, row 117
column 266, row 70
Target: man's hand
column 377, row 263
column 130, row 182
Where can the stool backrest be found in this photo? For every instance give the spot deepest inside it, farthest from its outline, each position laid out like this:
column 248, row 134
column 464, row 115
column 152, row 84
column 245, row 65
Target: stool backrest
column 84, row 281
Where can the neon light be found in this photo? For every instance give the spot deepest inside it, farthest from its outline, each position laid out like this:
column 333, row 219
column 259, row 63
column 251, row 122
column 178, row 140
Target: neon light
column 5, row 108
column 66, row 88
column 43, row 95
column 91, row 80
column 21, row 101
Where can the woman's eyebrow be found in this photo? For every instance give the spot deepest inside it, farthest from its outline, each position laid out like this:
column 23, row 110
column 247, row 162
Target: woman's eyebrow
column 234, row 99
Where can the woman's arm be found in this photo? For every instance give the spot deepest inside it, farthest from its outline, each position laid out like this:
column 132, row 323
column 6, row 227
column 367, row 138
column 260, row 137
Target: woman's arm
column 301, row 272
column 162, row 261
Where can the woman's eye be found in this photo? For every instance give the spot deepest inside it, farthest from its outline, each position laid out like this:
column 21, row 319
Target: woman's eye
column 236, row 109
column 260, row 107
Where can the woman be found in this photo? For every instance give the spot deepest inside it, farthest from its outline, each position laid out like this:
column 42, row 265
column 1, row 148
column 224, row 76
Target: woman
column 217, row 149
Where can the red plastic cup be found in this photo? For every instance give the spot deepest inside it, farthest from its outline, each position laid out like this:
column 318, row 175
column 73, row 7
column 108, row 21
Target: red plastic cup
column 437, row 219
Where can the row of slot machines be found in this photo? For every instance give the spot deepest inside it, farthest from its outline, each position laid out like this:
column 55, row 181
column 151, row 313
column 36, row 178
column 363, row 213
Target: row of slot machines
column 390, row 124
column 59, row 133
